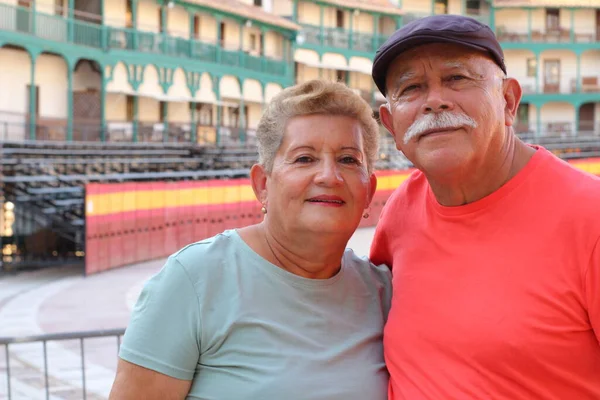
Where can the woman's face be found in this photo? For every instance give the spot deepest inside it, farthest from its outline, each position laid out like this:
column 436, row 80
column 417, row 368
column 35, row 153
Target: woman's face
column 319, row 181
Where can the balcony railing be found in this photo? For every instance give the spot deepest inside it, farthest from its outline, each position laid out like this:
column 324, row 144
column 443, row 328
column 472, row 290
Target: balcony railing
column 341, row 38
column 564, row 85
column 69, row 30
column 551, row 36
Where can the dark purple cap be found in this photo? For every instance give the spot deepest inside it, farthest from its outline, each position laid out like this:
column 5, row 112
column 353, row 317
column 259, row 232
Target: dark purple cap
column 444, row 28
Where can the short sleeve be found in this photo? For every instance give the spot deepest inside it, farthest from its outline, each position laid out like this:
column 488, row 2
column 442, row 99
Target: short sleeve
column 592, row 289
column 164, row 330
column 380, row 251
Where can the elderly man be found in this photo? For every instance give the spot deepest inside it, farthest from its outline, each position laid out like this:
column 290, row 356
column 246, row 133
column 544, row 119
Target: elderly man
column 493, row 244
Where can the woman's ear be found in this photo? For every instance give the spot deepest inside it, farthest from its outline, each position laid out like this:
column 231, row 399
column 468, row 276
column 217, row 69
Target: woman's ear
column 372, row 188
column 258, row 179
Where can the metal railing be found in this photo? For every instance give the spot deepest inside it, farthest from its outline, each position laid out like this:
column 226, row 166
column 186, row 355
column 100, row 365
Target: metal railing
column 71, row 30
column 342, row 38
column 22, row 367
column 560, row 35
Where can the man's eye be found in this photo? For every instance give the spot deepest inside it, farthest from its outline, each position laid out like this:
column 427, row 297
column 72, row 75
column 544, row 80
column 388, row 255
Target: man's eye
column 409, row 88
column 457, row 77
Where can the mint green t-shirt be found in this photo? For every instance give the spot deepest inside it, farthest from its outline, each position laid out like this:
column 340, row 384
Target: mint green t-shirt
column 242, row 328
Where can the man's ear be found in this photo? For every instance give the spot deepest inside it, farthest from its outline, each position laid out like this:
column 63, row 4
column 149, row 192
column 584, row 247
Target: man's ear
column 512, row 96
column 258, row 179
column 385, row 115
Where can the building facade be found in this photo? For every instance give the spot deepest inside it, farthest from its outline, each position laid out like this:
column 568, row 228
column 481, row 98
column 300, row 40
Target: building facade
column 201, row 71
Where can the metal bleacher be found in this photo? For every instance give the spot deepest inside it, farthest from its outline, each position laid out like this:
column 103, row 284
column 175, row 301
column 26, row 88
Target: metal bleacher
column 46, row 183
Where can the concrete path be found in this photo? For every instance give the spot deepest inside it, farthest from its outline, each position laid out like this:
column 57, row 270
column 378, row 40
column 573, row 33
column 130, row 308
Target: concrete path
column 62, row 300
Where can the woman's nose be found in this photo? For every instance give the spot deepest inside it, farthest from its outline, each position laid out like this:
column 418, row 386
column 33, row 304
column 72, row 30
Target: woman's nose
column 329, row 174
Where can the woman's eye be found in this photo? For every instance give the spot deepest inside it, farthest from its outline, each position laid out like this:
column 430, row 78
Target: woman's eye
column 303, row 159
column 349, row 160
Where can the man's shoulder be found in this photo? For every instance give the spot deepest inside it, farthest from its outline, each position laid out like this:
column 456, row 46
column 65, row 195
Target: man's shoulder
column 573, row 179
column 412, row 188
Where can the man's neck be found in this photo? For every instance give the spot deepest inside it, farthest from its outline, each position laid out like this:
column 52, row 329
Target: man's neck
column 466, row 187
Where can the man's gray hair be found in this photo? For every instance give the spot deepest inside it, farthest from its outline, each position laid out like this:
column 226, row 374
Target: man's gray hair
column 309, row 98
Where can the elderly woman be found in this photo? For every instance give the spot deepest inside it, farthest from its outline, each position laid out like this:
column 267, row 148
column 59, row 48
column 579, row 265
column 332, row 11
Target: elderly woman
column 277, row 310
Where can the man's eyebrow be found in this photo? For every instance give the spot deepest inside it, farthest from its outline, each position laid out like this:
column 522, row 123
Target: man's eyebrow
column 403, row 77
column 455, row 64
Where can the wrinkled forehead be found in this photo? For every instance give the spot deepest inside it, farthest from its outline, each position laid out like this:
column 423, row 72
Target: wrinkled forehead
column 438, row 56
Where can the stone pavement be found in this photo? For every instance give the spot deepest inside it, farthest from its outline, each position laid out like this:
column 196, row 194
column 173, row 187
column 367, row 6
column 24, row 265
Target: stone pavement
column 63, row 300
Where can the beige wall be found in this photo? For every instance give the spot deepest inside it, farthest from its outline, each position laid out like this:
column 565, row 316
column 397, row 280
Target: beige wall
column 116, row 107
column 45, row 6
column 115, row 12
column 179, row 87
column 416, row 6
column 148, row 110
column 150, row 86
column 360, row 81
column 516, row 66
column 568, row 67
column 253, row 91
column 147, row 16
column 363, row 22
column 178, row 22
column 119, row 82
column 387, row 25
column 274, row 45
column 306, row 73
column 229, row 87
column 283, row 7
column 254, row 114
column 232, row 35
column 585, row 21
column 253, row 46
column 455, row 7
column 51, row 77
column 590, row 64
column 557, row 112
column 271, row 91
column 86, row 78
column 15, row 70
column 178, row 112
column 512, row 20
column 208, row 28
column 308, row 13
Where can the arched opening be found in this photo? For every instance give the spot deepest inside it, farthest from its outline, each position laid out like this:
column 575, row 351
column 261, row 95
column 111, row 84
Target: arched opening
column 557, row 119
column 51, row 74
column 87, row 102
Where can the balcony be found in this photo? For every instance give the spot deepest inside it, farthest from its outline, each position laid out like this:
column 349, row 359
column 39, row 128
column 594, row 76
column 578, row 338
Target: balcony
column 107, row 38
column 340, row 39
column 552, row 36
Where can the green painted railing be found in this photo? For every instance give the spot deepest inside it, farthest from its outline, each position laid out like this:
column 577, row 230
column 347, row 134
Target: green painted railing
column 68, row 30
column 340, row 38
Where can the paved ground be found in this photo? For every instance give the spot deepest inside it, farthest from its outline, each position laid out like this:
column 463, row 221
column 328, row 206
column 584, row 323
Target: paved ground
column 62, row 300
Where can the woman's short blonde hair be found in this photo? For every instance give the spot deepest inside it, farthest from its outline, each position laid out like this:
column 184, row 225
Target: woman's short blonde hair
column 314, row 97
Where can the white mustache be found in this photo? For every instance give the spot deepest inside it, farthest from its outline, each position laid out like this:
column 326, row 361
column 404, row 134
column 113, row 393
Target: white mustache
column 443, row 120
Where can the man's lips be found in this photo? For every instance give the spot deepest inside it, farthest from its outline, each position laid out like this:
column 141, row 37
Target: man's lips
column 327, row 200
column 436, row 131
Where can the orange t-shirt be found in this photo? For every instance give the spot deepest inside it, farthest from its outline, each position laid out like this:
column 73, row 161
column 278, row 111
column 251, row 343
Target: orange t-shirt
column 497, row 299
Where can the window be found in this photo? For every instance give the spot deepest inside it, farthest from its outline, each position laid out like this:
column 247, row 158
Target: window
column 258, row 3
column 161, row 20
column 58, row 7
column 473, row 7
column 197, row 26
column 340, row 75
column 552, row 19
column 222, row 33
column 339, row 18
column 204, row 113
column 441, row 7
column 531, row 67
column 253, row 42
column 129, row 13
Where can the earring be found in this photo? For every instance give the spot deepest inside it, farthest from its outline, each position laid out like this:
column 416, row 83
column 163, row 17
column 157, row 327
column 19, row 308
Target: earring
column 366, row 215
column 263, row 209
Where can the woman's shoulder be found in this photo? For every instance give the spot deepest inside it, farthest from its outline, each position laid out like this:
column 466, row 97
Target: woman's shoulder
column 206, row 257
column 365, row 268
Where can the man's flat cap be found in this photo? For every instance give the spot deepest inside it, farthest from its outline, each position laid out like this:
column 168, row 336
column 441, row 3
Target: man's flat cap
column 444, row 28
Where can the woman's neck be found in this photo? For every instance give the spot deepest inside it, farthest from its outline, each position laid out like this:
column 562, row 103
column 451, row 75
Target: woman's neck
column 310, row 255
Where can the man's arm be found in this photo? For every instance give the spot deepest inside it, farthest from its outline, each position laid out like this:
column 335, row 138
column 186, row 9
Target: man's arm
column 592, row 290
column 135, row 382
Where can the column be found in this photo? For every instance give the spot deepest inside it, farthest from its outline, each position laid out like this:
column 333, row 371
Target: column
column 192, row 35
column 538, row 68
column 321, row 22
column 242, row 120
column 135, row 119
column 241, row 40
column 163, row 28
column 351, row 30
column 375, row 43
column 219, row 38
column 32, row 99
column 193, row 128
column 572, row 25
column 432, row 7
column 165, row 118
column 576, row 124
column 578, row 76
column 463, row 7
column 70, row 69
column 70, row 26
column 102, row 105
column 295, row 11
column 263, row 33
column 134, row 24
column 538, row 120
column 34, row 18
column 529, row 24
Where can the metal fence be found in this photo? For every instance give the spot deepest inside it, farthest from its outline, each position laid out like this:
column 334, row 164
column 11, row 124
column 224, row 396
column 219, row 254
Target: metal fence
column 74, row 365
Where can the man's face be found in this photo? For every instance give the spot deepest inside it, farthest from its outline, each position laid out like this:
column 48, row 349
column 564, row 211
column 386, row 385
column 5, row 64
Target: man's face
column 446, row 107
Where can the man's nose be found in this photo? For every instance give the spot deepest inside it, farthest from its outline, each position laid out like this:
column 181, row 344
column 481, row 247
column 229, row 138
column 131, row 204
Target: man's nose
column 436, row 101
